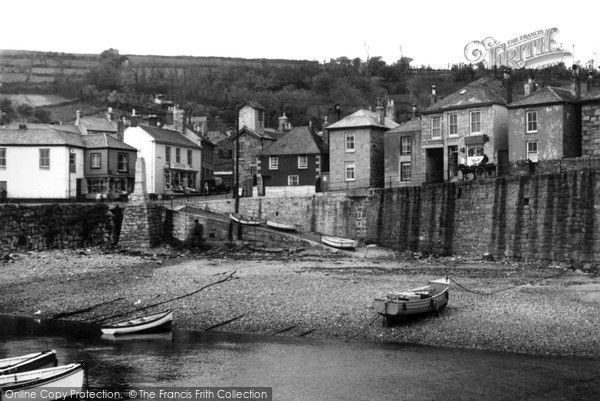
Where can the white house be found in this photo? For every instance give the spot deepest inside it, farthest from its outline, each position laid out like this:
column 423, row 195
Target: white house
column 41, row 162
column 173, row 162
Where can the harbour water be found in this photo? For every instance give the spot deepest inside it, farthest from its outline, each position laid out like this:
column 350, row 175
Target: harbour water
column 302, row 368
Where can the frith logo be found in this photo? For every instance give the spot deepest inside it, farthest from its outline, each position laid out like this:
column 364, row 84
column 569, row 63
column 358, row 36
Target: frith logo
column 531, row 50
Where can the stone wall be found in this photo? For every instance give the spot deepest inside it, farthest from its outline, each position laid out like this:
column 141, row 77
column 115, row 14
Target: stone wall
column 54, row 226
column 144, row 225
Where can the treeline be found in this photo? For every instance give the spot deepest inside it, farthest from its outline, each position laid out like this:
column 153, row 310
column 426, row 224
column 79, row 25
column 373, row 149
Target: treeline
column 304, row 91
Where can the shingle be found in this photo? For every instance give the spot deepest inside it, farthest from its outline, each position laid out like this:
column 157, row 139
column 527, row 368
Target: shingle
column 412, row 125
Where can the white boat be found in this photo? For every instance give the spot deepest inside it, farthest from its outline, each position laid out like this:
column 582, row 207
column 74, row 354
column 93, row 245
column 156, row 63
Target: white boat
column 150, row 323
column 34, row 384
column 429, row 298
column 341, row 243
column 281, row 226
column 23, row 363
column 246, row 220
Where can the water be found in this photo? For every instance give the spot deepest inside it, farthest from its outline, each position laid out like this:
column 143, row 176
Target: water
column 303, row 369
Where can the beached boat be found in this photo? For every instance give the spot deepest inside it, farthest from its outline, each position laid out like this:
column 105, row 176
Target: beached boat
column 281, row 226
column 341, row 243
column 145, row 324
column 34, row 384
column 246, row 220
column 429, row 298
column 23, row 363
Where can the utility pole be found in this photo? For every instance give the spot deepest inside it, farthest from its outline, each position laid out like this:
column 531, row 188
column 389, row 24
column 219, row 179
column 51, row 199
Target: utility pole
column 237, row 159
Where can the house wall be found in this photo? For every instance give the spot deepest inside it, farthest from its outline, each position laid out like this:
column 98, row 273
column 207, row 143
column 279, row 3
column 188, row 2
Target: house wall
column 361, row 156
column 590, row 128
column 393, row 159
column 288, row 165
column 376, row 173
column 25, row 178
column 144, row 143
column 554, row 122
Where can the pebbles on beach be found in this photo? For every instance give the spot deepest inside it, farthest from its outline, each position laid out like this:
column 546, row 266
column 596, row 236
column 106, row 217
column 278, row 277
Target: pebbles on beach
column 493, row 305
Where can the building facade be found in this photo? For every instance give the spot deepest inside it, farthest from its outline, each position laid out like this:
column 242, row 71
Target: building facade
column 402, row 150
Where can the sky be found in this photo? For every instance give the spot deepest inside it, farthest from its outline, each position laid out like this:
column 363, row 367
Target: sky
column 433, row 33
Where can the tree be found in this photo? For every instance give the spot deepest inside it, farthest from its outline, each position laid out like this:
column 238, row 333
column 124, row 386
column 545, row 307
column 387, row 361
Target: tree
column 108, row 73
column 25, row 111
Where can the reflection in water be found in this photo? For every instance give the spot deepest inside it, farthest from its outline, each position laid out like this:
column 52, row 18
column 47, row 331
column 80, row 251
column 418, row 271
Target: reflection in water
column 300, row 369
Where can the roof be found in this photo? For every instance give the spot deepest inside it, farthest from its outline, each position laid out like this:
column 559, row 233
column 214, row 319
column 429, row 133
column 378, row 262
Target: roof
column 545, row 95
column 270, row 135
column 362, row 118
column 103, row 140
column 98, row 124
column 415, row 124
column 484, row 91
column 299, row 141
column 254, row 105
column 62, row 127
column 40, row 136
column 169, row 137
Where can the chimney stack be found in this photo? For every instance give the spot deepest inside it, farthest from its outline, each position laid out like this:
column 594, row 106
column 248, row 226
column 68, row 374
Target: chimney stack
column 390, row 110
column 414, row 111
column 109, row 114
column 380, row 113
column 575, row 88
column 508, row 85
column 283, row 123
column 530, row 87
column 78, row 117
column 433, row 95
column 135, row 119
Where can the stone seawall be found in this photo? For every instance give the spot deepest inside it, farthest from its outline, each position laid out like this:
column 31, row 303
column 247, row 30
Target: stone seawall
column 54, row 226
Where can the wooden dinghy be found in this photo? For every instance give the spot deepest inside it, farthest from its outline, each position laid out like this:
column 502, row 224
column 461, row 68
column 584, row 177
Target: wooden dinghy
column 281, row 226
column 23, row 363
column 34, row 384
column 341, row 243
column 145, row 324
column 429, row 298
column 246, row 220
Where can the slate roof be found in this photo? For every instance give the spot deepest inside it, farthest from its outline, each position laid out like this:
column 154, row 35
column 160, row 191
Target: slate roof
column 40, row 136
column 484, row 91
column 62, row 127
column 362, row 118
column 169, row 137
column 98, row 124
column 253, row 104
column 545, row 95
column 268, row 134
column 412, row 125
column 103, row 140
column 299, row 141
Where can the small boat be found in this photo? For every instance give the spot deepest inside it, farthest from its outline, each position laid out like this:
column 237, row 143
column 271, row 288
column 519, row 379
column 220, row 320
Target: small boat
column 429, row 298
column 281, row 226
column 341, row 243
column 246, row 220
column 150, row 323
column 23, row 363
column 34, row 384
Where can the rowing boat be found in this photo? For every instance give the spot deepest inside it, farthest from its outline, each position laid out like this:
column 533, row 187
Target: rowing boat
column 341, row 243
column 34, row 384
column 150, row 323
column 429, row 298
column 246, row 220
column 23, row 363
column 281, row 226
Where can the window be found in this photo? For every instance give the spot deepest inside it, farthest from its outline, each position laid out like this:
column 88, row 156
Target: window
column 532, row 121
column 177, row 155
column 452, row 124
column 349, row 142
column 474, row 155
column 293, row 180
column 405, row 145
column 302, row 162
column 532, row 151
column 72, row 163
column 44, row 158
column 350, row 167
column 242, row 148
column 123, row 162
column 273, row 163
column 475, row 122
column 2, row 157
column 189, row 157
column 405, row 172
column 167, row 154
column 436, row 127
column 95, row 160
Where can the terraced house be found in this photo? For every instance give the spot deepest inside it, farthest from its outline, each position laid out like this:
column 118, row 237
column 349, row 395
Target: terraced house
column 462, row 127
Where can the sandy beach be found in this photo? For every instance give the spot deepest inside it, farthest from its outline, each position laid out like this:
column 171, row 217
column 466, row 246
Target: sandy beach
column 516, row 307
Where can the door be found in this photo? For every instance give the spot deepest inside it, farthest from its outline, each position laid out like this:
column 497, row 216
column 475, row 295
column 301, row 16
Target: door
column 434, row 165
column 452, row 162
